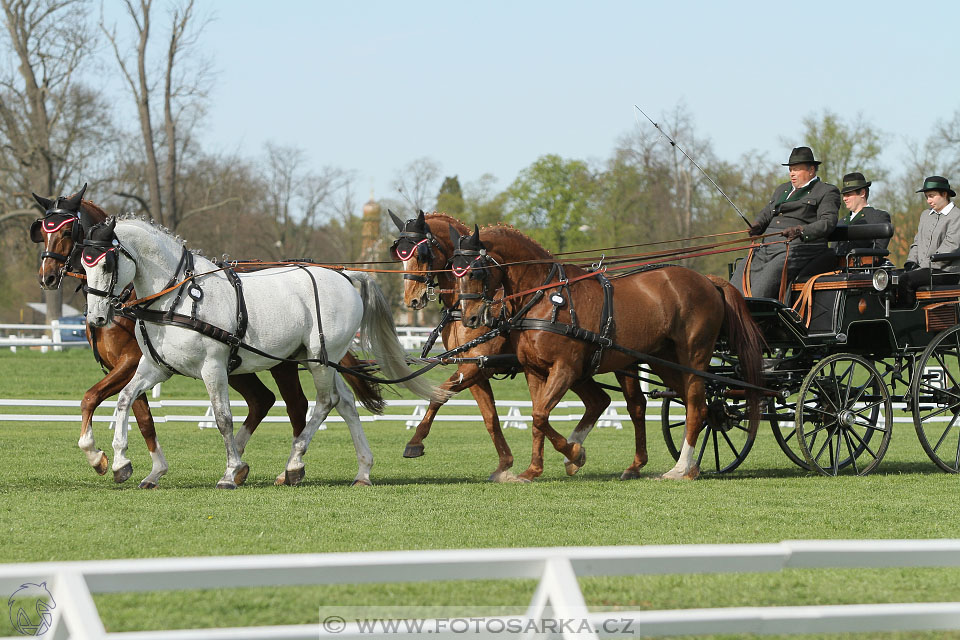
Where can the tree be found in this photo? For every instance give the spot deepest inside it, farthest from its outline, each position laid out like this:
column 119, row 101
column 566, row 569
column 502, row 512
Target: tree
column 550, row 199
column 450, row 198
column 416, row 181
column 298, row 201
column 185, row 80
column 482, row 203
column 843, row 147
column 50, row 125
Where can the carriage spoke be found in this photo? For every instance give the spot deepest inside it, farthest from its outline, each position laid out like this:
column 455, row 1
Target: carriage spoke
column 853, row 456
column 836, row 456
column 945, row 432
column 863, row 443
column 716, row 449
column 825, row 395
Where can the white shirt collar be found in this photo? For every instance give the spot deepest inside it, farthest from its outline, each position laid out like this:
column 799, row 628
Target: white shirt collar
column 947, row 209
column 811, row 180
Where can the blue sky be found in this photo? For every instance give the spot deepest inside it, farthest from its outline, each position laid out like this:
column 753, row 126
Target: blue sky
column 488, row 87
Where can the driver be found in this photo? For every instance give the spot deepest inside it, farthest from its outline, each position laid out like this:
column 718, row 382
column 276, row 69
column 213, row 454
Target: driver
column 804, row 211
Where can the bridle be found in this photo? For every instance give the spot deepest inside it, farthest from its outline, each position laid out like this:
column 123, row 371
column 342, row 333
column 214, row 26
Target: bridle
column 107, row 251
column 56, row 219
column 475, row 264
column 421, row 243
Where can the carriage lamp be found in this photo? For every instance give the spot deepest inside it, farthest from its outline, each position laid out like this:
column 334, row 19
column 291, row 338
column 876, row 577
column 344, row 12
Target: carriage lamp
column 881, row 279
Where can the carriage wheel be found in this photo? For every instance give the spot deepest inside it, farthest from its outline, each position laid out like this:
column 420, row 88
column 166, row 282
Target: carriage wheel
column 935, row 392
column 781, row 414
column 844, row 416
column 725, row 440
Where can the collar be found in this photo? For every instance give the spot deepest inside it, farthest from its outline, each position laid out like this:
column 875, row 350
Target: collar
column 804, row 186
column 854, row 216
column 946, row 210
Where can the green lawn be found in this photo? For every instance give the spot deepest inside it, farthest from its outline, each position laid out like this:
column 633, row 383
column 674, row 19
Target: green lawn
column 54, row 507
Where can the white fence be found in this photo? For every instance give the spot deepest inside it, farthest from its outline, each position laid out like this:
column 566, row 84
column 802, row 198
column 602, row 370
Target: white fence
column 36, row 335
column 517, row 412
column 557, row 598
column 58, row 336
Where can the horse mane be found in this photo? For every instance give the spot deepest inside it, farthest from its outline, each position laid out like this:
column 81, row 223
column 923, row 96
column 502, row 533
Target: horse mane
column 93, row 209
column 144, row 221
column 445, row 217
column 512, row 232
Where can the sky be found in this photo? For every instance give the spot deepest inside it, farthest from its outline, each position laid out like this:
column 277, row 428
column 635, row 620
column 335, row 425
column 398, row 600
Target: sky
column 489, row 87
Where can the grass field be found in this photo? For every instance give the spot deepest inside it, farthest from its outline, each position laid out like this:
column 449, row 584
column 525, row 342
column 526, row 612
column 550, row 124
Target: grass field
column 54, row 507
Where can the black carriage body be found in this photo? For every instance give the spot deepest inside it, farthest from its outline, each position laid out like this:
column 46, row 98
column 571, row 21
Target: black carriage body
column 853, row 349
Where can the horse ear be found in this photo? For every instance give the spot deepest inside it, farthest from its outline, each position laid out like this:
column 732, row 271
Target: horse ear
column 83, row 190
column 421, row 220
column 46, row 203
column 397, row 221
column 73, row 202
column 454, row 236
column 474, row 240
column 112, row 223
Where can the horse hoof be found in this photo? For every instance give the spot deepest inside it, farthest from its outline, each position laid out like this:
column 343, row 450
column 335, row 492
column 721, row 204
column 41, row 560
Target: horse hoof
column 123, row 474
column 147, row 485
column 361, row 483
column 281, row 480
column 102, row 466
column 413, row 451
column 240, row 475
column 630, row 474
column 223, row 484
column 502, row 476
column 293, row 478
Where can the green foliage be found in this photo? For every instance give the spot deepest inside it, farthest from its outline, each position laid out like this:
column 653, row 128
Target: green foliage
column 844, row 147
column 550, row 200
column 450, row 198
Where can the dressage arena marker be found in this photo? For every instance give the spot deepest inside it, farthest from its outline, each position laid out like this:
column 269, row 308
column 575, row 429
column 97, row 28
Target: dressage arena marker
column 557, row 598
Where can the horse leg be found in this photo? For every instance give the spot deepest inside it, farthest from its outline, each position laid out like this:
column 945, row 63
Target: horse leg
column 215, row 379
column 637, row 408
column 259, row 400
column 694, row 395
column 146, row 376
column 287, row 377
column 347, row 408
column 545, row 395
column 323, row 380
column 115, row 380
column 149, row 432
column 465, row 376
column 595, row 401
column 483, row 394
column 535, row 470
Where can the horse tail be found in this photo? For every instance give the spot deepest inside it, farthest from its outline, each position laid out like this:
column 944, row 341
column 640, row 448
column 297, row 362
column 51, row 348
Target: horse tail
column 368, row 393
column 380, row 334
column 747, row 342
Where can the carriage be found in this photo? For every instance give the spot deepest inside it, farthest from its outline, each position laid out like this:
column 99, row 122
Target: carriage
column 841, row 353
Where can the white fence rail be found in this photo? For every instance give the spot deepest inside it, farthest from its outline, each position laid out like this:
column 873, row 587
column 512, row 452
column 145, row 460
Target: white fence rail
column 46, row 336
column 514, row 413
column 557, row 598
column 58, row 336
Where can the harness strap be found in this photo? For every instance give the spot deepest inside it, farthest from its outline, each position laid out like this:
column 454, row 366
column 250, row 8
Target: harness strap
column 579, row 333
column 146, row 339
column 316, row 300
column 606, row 321
column 449, row 315
column 235, row 360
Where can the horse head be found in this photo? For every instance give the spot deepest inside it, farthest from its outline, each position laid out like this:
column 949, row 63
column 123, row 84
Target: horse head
column 478, row 275
column 421, row 255
column 60, row 230
column 106, row 271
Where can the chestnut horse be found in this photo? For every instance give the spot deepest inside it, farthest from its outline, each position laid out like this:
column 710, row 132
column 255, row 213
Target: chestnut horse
column 115, row 348
column 671, row 313
column 425, row 249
